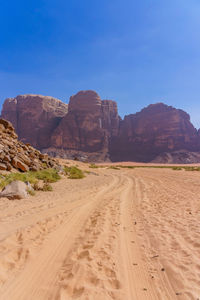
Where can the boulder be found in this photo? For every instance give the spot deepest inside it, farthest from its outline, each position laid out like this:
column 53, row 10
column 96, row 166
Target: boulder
column 15, row 190
column 18, row 164
column 9, row 167
column 3, row 167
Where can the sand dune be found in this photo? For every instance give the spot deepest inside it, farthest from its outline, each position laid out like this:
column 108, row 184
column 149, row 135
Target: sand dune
column 124, row 234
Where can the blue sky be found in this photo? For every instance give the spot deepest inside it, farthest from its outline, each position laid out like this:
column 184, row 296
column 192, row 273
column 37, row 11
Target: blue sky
column 134, row 52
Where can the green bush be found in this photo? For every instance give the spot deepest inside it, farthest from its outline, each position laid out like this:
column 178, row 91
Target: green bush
column 87, row 172
column 48, row 175
column 192, row 168
column 47, row 187
column 177, row 168
column 114, row 168
column 74, row 172
column 93, row 166
column 126, row 167
column 31, row 192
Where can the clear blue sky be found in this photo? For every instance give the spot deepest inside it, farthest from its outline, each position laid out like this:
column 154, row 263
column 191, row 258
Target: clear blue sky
column 136, row 52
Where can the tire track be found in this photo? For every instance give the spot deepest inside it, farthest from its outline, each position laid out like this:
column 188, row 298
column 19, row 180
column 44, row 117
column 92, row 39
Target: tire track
column 90, row 270
column 51, row 256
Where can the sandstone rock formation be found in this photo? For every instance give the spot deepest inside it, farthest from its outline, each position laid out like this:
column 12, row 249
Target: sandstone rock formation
column 34, row 117
column 17, row 155
column 156, row 129
column 88, row 126
column 93, row 130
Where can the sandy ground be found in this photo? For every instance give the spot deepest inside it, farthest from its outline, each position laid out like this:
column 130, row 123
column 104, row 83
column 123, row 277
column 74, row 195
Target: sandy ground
column 120, row 234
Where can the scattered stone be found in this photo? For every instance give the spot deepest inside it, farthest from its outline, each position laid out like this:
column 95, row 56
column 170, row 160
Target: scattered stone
column 18, row 164
column 9, row 167
column 155, row 256
column 162, row 269
column 3, row 167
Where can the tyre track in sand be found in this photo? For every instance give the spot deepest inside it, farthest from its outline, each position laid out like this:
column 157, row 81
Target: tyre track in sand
column 38, row 276
column 168, row 227
column 88, row 249
column 140, row 278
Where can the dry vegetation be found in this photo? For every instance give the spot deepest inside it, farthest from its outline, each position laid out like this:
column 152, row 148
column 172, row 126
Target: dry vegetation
column 46, row 176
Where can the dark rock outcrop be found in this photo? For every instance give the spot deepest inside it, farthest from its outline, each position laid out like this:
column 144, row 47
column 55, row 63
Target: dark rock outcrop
column 34, row 117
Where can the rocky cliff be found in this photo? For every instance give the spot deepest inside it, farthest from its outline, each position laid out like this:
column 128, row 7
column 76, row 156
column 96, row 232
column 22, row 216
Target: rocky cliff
column 88, row 126
column 156, row 129
column 34, row 117
column 91, row 128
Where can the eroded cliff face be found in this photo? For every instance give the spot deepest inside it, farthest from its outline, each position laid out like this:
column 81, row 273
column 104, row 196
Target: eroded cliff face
column 157, row 128
column 88, row 125
column 34, row 117
column 93, row 128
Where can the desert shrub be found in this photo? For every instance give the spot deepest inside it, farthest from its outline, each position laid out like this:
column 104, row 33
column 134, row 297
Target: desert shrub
column 47, row 187
column 192, row 168
column 114, row 168
column 177, row 168
column 48, row 175
column 74, row 172
column 125, row 167
column 36, row 186
column 17, row 176
column 93, row 166
column 31, row 192
column 130, row 167
column 87, row 172
column 44, row 165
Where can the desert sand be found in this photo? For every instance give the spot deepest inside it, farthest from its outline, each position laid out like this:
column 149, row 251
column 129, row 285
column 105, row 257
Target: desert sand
column 129, row 234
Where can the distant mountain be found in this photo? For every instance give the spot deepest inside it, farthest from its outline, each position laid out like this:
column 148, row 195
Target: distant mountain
column 91, row 129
